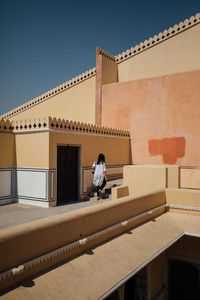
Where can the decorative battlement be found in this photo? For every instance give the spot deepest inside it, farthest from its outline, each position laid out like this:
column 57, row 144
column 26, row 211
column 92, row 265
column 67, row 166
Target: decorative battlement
column 106, row 54
column 51, row 93
column 63, row 125
column 166, row 34
column 5, row 126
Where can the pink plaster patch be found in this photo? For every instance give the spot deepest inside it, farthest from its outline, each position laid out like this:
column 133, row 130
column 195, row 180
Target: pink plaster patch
column 170, row 148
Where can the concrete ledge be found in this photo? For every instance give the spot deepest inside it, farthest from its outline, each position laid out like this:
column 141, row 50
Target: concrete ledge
column 144, row 178
column 120, row 192
column 185, row 197
column 26, row 242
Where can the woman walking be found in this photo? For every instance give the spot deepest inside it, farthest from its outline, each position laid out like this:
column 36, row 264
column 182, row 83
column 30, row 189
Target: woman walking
column 99, row 174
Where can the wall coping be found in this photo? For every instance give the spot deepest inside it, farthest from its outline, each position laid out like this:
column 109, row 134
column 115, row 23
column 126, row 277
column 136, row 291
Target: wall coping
column 49, row 123
column 152, row 41
column 160, row 37
column 5, row 126
column 106, row 54
column 51, row 93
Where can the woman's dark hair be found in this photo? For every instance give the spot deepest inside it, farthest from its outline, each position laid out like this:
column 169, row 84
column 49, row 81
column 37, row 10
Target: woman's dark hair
column 101, row 158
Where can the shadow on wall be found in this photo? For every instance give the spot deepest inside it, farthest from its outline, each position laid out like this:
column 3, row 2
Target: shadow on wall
column 170, row 148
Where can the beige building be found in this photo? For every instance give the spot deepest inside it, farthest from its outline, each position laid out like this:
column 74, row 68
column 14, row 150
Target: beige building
column 48, row 162
column 144, row 243
column 149, row 90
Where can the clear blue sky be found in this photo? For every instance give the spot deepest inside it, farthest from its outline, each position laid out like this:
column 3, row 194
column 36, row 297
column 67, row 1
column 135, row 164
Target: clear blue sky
column 45, row 43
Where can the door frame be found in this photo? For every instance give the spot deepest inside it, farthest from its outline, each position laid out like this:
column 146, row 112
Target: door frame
column 79, row 168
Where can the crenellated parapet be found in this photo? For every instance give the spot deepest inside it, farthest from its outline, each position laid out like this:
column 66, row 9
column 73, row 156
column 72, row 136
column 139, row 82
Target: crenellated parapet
column 57, row 90
column 162, row 36
column 152, row 41
column 5, row 126
column 106, row 54
column 30, row 124
column 50, row 123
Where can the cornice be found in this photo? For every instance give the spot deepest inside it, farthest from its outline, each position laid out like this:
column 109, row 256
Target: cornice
column 49, row 123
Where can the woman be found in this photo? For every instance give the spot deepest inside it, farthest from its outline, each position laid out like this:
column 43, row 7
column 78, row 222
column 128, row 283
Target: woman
column 99, row 174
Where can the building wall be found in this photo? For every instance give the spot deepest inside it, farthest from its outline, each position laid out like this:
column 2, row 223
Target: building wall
column 156, row 276
column 163, row 115
column 190, row 177
column 75, row 103
column 32, row 149
column 179, row 53
column 7, row 164
column 116, row 149
column 7, row 152
column 28, row 170
column 106, row 72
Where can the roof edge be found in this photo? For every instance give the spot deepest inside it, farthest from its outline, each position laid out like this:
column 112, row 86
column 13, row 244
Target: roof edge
column 157, row 39
column 58, row 124
column 53, row 92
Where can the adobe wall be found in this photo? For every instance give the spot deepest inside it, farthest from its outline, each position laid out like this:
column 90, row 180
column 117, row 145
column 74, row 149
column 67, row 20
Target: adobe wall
column 178, row 52
column 141, row 179
column 7, row 164
column 32, row 149
column 106, row 72
column 163, row 115
column 156, row 276
column 144, row 178
column 190, row 177
column 116, row 149
column 73, row 100
column 32, row 176
column 7, row 146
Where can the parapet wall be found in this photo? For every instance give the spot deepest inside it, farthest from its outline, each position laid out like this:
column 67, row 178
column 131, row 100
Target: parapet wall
column 145, row 178
column 7, row 145
column 159, row 38
column 176, row 53
column 172, row 51
column 185, row 201
column 62, row 101
column 59, row 124
column 44, row 243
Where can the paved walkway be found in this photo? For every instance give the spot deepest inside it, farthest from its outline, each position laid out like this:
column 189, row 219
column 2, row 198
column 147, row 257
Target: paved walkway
column 17, row 213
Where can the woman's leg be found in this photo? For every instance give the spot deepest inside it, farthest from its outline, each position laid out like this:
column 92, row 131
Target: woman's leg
column 103, row 184
column 98, row 188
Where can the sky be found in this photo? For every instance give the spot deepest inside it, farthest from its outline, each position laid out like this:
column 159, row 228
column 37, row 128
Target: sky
column 44, row 43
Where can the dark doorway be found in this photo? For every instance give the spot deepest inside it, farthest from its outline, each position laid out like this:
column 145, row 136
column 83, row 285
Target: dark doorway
column 183, row 281
column 134, row 289
column 68, row 174
column 130, row 289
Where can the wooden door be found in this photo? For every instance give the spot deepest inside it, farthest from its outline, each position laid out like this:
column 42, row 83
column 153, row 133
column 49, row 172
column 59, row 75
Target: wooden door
column 68, row 174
